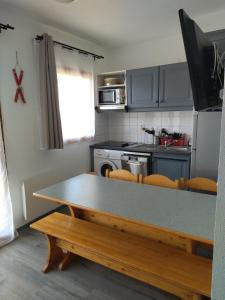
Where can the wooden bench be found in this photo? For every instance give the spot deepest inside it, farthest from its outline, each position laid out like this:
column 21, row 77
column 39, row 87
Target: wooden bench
column 185, row 275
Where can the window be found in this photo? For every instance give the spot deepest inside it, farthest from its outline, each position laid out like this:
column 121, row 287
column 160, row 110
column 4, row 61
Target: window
column 76, row 101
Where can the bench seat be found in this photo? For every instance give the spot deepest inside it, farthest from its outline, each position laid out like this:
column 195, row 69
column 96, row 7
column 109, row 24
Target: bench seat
column 185, row 275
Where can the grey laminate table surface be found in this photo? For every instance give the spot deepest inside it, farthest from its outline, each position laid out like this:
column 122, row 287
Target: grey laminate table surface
column 181, row 211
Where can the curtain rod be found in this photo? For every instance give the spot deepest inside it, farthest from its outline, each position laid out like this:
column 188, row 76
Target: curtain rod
column 40, row 37
column 5, row 27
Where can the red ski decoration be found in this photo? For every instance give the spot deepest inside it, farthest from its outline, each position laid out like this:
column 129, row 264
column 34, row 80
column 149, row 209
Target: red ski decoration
column 19, row 90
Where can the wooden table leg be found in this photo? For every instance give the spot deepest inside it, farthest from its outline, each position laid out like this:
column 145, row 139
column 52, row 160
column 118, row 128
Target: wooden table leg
column 55, row 254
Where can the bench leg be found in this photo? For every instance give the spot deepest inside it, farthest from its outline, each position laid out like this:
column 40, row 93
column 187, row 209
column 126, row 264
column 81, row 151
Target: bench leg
column 55, row 254
column 194, row 297
column 197, row 297
column 191, row 247
column 66, row 261
column 74, row 212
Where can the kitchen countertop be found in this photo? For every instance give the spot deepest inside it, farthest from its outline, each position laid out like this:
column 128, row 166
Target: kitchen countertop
column 138, row 147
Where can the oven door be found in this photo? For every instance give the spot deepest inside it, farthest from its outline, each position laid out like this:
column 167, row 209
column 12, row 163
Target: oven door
column 137, row 164
column 107, row 97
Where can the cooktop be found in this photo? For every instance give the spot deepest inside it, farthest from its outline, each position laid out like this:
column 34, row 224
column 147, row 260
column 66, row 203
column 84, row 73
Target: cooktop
column 115, row 144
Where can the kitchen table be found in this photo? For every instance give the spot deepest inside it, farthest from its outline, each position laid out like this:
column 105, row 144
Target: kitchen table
column 176, row 217
column 152, row 237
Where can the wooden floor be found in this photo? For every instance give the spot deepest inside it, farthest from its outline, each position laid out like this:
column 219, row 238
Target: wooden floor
column 21, row 277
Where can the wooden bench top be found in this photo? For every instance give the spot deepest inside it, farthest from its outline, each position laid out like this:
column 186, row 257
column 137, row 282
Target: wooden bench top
column 185, row 270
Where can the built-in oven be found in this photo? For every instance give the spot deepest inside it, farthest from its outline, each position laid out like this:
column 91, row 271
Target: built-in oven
column 111, row 96
column 137, row 163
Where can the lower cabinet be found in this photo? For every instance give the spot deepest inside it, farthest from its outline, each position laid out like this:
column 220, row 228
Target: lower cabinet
column 173, row 166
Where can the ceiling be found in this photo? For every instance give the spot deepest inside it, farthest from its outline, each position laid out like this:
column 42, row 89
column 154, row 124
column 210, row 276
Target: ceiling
column 115, row 23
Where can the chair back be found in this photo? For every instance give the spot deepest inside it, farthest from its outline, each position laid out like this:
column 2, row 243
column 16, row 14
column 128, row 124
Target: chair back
column 199, row 183
column 160, row 180
column 122, row 175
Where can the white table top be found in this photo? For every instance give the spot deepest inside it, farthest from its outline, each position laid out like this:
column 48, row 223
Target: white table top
column 181, row 211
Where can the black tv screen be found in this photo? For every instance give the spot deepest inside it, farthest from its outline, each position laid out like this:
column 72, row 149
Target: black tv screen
column 200, row 52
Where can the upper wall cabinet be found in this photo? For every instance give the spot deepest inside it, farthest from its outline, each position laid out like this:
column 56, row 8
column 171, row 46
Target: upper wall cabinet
column 175, row 87
column 159, row 88
column 142, row 88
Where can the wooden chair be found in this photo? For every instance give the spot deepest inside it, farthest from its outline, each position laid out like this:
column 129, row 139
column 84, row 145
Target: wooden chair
column 199, row 183
column 122, row 175
column 161, row 180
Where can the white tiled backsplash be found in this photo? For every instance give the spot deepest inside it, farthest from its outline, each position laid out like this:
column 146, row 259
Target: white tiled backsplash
column 127, row 126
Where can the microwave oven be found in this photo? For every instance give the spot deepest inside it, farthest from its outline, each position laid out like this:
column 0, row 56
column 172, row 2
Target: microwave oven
column 111, row 96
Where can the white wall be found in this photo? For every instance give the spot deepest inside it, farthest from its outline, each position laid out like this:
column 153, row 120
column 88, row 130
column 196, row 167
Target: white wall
column 218, row 286
column 24, row 158
column 161, row 51
column 147, row 54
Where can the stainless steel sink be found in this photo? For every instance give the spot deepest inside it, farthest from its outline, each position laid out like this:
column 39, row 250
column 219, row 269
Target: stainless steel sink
column 143, row 146
column 177, row 148
column 149, row 147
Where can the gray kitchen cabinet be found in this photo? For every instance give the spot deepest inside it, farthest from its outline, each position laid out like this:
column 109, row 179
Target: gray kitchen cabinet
column 142, row 88
column 175, row 87
column 173, row 166
column 163, row 88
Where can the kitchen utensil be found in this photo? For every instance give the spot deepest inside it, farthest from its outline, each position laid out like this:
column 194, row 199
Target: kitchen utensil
column 112, row 81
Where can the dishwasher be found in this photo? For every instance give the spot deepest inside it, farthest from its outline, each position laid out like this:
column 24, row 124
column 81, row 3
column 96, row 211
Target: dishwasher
column 137, row 163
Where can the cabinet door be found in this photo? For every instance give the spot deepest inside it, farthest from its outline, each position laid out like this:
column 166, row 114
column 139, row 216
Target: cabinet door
column 175, row 87
column 142, row 88
column 172, row 167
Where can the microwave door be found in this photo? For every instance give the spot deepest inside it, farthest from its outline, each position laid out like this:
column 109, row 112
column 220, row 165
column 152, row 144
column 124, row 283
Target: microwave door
column 107, row 97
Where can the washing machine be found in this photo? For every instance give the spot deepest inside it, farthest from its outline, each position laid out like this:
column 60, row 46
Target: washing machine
column 106, row 159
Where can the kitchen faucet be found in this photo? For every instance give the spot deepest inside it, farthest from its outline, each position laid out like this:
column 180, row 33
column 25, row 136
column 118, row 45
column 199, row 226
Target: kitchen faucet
column 166, row 143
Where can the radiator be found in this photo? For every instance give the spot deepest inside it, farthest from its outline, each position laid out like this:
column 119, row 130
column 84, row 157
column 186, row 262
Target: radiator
column 32, row 206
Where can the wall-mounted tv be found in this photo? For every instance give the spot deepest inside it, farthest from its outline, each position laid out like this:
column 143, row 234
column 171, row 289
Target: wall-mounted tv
column 204, row 64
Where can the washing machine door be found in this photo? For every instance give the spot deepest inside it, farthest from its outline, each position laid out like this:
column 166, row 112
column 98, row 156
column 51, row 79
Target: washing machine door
column 106, row 165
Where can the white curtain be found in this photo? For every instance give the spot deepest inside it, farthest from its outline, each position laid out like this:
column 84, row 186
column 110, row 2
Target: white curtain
column 76, row 94
column 6, row 216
